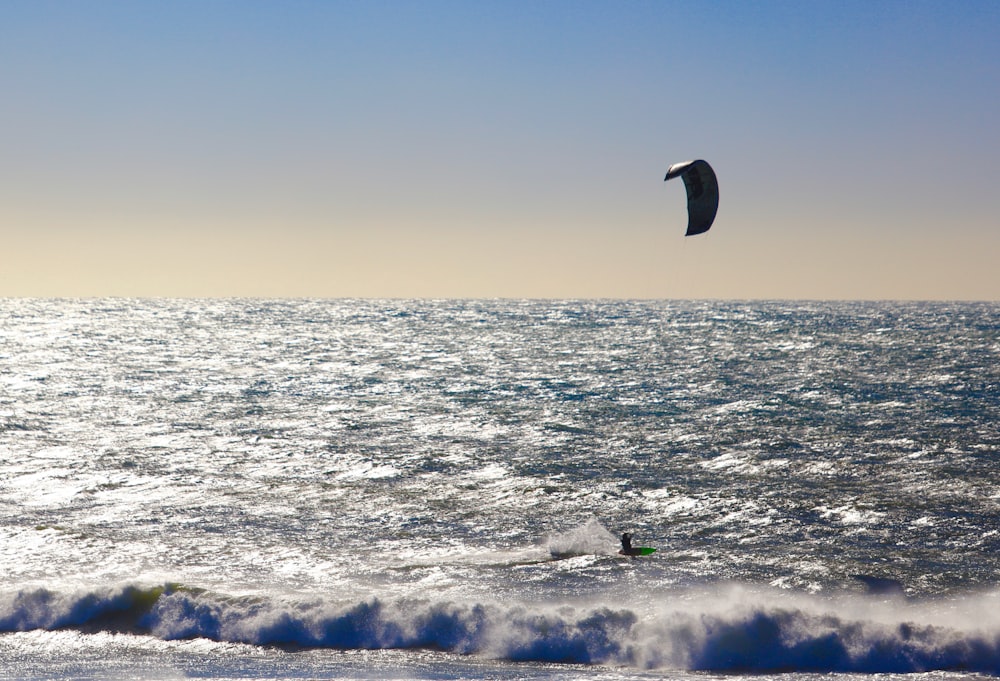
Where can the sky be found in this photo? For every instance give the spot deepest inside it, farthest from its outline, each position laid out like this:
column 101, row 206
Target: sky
column 455, row 149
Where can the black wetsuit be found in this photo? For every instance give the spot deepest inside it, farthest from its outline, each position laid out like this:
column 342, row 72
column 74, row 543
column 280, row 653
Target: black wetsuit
column 627, row 544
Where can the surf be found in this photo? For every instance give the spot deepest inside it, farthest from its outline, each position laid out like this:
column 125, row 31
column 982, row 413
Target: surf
column 721, row 629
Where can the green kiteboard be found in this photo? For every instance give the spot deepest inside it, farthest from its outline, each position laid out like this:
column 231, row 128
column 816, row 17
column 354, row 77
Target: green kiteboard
column 638, row 551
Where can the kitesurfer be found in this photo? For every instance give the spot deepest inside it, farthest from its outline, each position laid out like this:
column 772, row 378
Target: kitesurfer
column 627, row 544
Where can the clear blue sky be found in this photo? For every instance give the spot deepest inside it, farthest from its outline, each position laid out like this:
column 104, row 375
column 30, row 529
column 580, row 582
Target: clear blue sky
column 515, row 149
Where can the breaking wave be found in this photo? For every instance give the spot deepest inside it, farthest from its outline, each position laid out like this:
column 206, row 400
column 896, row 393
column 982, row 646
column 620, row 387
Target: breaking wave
column 747, row 634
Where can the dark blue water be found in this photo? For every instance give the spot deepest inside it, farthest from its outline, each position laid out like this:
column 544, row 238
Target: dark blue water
column 434, row 489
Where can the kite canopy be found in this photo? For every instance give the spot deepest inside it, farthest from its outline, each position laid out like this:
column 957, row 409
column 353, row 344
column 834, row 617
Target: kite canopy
column 702, row 191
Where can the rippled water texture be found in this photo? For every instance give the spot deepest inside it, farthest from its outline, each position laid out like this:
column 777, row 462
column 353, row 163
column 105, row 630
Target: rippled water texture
column 337, row 451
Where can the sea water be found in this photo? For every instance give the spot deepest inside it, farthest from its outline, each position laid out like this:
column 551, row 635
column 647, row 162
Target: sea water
column 253, row 489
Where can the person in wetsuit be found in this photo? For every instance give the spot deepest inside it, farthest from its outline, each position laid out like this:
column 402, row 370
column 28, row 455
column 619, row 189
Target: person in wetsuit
column 627, row 544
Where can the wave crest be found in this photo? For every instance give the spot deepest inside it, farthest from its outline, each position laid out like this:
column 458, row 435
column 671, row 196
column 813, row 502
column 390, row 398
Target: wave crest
column 811, row 636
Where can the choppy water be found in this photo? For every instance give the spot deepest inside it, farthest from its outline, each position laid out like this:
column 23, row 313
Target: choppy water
column 433, row 489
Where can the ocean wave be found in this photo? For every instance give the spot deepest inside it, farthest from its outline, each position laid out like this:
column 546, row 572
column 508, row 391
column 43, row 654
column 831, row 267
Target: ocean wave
column 749, row 636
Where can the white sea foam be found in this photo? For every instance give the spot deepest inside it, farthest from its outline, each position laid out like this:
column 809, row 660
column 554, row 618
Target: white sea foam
column 730, row 628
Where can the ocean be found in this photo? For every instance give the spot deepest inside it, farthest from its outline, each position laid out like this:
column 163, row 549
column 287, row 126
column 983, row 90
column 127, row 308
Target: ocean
column 435, row 489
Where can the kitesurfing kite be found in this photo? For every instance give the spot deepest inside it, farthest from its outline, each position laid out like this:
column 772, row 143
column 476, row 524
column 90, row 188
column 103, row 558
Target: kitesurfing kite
column 702, row 191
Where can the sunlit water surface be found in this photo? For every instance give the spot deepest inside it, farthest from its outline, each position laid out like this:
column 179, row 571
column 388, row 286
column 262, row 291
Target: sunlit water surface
column 434, row 489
